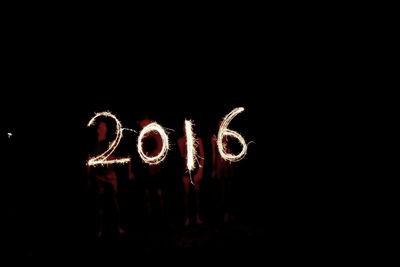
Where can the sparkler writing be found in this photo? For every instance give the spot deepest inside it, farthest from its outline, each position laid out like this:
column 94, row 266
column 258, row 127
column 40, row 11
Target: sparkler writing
column 102, row 158
column 191, row 143
column 190, row 146
column 224, row 131
column 165, row 144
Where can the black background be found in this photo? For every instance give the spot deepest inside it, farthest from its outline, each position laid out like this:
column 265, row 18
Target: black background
column 54, row 81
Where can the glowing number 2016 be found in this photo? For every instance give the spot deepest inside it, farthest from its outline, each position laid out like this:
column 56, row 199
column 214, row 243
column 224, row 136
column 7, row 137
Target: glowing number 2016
column 190, row 142
column 224, row 131
column 102, row 158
